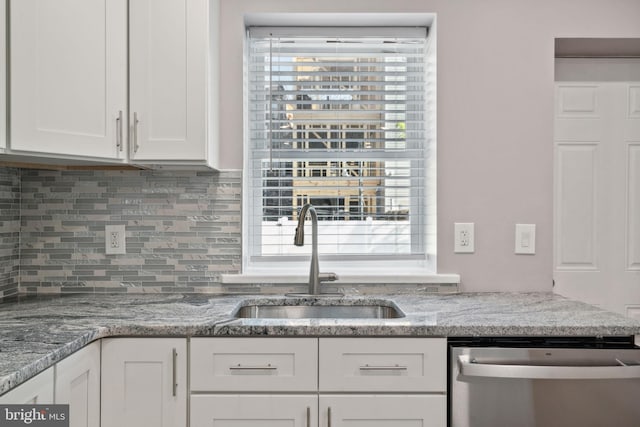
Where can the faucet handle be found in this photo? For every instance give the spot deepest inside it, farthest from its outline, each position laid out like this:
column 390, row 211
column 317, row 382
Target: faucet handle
column 327, row 277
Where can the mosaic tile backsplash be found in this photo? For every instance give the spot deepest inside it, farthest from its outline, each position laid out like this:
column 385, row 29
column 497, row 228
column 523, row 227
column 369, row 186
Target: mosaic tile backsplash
column 9, row 231
column 182, row 230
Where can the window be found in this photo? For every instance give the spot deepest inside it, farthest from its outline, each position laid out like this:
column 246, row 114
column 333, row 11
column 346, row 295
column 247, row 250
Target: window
column 341, row 118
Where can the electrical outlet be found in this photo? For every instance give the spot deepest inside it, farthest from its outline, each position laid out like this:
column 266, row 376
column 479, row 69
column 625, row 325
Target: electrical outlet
column 115, row 241
column 464, row 241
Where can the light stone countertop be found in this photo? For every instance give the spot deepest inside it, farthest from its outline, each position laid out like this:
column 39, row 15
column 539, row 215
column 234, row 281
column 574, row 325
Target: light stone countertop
column 37, row 333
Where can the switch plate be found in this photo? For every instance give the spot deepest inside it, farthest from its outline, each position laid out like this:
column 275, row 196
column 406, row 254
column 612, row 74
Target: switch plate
column 114, row 240
column 464, row 240
column 525, row 239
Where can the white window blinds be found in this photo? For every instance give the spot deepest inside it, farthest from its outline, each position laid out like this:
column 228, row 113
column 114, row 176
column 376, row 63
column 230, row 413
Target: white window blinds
column 338, row 117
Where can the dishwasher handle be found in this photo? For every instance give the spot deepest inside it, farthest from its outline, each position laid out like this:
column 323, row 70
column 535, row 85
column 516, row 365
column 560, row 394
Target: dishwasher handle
column 488, row 370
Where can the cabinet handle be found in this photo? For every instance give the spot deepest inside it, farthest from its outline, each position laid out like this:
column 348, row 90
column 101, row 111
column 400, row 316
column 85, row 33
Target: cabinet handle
column 174, row 375
column 135, row 132
column 240, row 367
column 383, row 368
column 308, row 416
column 329, row 416
column 119, row 131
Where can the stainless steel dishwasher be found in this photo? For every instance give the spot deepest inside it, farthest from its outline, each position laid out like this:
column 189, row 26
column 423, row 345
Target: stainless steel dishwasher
column 544, row 382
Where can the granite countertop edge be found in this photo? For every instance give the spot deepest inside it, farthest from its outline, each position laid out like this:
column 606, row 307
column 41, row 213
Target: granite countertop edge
column 29, row 345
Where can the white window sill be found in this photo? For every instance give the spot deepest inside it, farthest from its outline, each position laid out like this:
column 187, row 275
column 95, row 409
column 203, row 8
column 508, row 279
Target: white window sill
column 253, row 278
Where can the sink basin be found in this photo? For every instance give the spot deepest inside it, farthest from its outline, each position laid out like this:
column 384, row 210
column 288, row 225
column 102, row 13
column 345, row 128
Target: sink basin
column 373, row 311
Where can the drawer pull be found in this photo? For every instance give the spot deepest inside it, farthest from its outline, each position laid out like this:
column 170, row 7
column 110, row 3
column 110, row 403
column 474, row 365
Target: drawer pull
column 383, row 368
column 240, row 367
column 119, row 131
column 135, row 132
column 174, row 388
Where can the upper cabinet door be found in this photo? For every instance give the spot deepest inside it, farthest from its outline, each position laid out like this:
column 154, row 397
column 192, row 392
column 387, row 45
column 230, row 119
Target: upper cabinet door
column 68, row 77
column 3, row 75
column 168, row 79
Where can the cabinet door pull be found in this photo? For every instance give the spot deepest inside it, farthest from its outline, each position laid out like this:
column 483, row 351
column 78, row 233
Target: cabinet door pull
column 308, row 416
column 135, row 132
column 174, row 375
column 119, row 131
column 240, row 367
column 383, row 368
column 329, row 416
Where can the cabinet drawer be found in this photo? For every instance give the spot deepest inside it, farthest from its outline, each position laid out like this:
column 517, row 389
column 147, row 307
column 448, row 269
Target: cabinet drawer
column 344, row 410
column 383, row 364
column 254, row 364
column 246, row 410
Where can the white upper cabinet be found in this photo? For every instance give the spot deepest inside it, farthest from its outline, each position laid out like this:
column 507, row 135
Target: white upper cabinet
column 169, row 50
column 113, row 81
column 69, row 77
column 3, row 76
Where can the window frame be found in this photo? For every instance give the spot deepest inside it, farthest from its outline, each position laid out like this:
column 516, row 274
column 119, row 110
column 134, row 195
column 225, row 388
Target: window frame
column 357, row 264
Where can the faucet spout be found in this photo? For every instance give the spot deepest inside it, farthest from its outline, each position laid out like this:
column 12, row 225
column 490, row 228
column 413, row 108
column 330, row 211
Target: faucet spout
column 315, row 277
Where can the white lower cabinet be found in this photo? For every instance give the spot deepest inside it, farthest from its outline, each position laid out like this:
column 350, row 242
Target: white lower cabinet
column 254, row 410
column 37, row 390
column 254, row 364
column 248, row 382
column 362, row 382
column 375, row 365
column 78, row 385
column 144, row 382
column 74, row 380
column 383, row 410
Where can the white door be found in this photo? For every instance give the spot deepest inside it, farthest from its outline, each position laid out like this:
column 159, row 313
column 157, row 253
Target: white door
column 78, row 384
column 144, row 382
column 254, row 410
column 68, row 77
column 383, row 411
column 168, row 72
column 597, row 185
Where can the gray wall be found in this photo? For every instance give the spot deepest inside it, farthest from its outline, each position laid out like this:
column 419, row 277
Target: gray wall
column 495, row 116
column 9, row 231
column 182, row 230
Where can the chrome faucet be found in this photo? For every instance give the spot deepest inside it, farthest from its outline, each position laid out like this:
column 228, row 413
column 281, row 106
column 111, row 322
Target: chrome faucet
column 315, row 277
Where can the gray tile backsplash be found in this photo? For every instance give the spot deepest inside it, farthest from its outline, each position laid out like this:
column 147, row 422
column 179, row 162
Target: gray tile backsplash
column 182, row 230
column 9, row 231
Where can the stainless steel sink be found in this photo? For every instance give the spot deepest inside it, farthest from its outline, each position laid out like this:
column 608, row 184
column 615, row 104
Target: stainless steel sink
column 373, row 311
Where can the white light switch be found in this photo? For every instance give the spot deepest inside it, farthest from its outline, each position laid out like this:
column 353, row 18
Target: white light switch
column 525, row 239
column 464, row 241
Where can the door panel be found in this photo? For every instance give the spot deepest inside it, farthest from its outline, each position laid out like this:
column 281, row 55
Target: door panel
column 254, row 411
column 168, row 72
column 383, row 411
column 37, row 390
column 78, row 384
column 68, row 76
column 3, row 76
column 138, row 385
column 597, row 189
